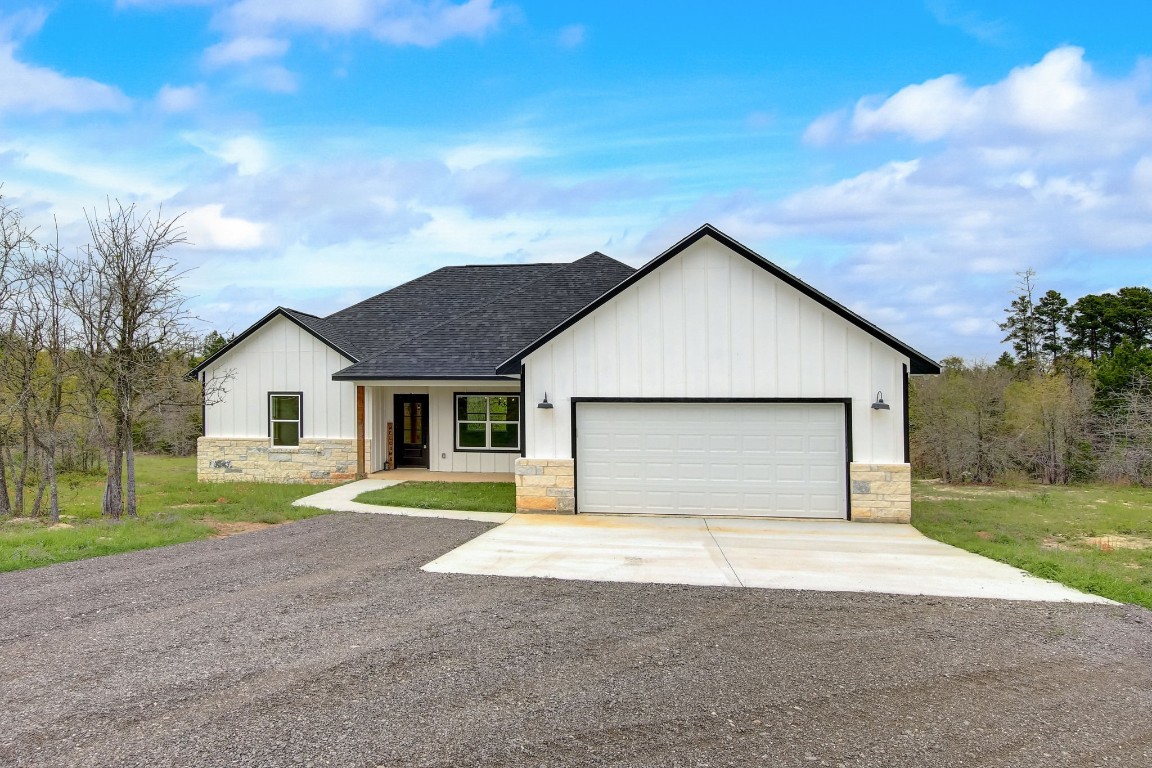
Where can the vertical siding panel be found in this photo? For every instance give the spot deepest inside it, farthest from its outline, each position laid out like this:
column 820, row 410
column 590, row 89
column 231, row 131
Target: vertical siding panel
column 584, row 349
column 788, row 342
column 811, row 349
column 328, row 410
column 694, row 301
column 860, row 365
column 764, row 343
column 628, row 375
column 717, row 324
column 651, row 340
column 741, row 322
column 607, row 353
column 671, row 282
column 835, row 360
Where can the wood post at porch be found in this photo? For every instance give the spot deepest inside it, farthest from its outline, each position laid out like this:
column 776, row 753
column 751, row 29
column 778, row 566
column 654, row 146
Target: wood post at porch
column 361, row 466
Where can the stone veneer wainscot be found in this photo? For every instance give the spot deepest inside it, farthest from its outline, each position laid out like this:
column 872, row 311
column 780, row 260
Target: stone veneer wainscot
column 223, row 459
column 546, row 486
column 881, row 493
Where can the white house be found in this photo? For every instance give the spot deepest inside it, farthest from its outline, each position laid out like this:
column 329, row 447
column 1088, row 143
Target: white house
column 710, row 381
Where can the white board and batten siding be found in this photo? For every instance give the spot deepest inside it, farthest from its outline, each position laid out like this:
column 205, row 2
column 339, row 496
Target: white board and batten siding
column 710, row 324
column 281, row 357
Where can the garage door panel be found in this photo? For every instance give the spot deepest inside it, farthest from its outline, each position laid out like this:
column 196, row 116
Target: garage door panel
column 761, row 459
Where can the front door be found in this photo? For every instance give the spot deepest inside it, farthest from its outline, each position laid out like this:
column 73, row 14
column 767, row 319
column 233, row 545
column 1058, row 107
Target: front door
column 412, row 430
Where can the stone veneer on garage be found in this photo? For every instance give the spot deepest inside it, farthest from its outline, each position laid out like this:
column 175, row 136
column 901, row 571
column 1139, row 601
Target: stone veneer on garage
column 546, row 486
column 881, row 493
column 224, row 459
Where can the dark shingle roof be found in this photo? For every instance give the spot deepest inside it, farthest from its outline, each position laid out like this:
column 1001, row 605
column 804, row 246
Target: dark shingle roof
column 456, row 322
column 408, row 310
column 494, row 313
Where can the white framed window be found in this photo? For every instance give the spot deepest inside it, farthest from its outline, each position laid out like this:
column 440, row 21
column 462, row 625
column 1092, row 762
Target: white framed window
column 285, row 423
column 487, row 421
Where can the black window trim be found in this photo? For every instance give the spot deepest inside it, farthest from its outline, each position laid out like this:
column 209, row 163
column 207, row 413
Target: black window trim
column 299, row 395
column 456, row 422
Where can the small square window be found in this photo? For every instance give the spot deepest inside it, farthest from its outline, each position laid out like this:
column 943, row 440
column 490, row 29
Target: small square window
column 284, row 422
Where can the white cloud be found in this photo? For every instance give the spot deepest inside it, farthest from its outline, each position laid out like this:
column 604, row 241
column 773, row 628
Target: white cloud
column 968, row 22
column 207, row 226
column 84, row 171
column 269, row 77
column 249, row 154
column 466, row 156
column 243, row 49
column 825, row 129
column 171, row 98
column 1059, row 98
column 32, row 89
column 398, row 22
column 572, row 36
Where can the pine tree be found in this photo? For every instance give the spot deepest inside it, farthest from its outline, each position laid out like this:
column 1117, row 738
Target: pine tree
column 1052, row 315
column 1022, row 324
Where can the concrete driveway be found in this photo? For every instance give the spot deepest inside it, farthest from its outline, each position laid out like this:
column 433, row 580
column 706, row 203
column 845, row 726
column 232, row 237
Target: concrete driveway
column 741, row 552
column 822, row 555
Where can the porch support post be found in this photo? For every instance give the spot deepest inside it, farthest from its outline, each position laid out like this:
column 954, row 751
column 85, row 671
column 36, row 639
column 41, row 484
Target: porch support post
column 360, row 462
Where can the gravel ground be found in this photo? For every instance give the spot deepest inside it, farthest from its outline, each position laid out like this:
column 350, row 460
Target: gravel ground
column 322, row 643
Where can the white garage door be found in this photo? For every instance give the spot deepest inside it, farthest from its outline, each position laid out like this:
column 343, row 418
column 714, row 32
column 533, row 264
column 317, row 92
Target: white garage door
column 757, row 459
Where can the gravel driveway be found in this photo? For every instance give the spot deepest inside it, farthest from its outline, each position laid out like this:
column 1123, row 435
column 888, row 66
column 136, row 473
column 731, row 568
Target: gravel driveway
column 322, row 643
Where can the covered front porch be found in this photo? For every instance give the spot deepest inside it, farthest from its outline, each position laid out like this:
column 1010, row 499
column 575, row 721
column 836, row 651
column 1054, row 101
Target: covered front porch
column 425, row 428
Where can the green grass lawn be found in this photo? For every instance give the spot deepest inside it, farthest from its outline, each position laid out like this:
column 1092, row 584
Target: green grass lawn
column 1095, row 538
column 173, row 508
column 471, row 497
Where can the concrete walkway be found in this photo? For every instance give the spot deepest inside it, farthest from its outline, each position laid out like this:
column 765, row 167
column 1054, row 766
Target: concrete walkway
column 832, row 556
column 340, row 499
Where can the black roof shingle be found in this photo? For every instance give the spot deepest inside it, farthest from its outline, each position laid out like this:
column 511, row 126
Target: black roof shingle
column 456, row 322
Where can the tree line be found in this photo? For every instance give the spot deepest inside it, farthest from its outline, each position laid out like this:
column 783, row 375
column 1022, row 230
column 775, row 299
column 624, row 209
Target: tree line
column 94, row 348
column 1071, row 401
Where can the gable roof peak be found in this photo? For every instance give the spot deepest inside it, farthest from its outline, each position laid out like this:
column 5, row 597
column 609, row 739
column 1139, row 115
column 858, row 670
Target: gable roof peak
column 919, row 363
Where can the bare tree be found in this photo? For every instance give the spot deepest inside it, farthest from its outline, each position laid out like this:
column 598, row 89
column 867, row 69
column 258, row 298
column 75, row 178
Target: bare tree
column 50, row 278
column 17, row 243
column 958, row 425
column 1124, row 435
column 1049, row 418
column 132, row 320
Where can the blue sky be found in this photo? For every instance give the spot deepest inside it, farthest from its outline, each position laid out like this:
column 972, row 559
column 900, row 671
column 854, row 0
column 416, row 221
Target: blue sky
column 907, row 158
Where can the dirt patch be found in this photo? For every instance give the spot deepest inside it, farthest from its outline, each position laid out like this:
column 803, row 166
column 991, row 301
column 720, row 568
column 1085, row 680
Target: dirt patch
column 224, row 528
column 1103, row 543
column 191, row 506
column 1116, row 541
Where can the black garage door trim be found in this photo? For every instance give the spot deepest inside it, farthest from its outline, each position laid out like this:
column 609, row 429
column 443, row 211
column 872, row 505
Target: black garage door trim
column 845, row 401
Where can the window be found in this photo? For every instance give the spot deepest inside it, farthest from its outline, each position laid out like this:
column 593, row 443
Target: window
column 284, row 425
column 487, row 422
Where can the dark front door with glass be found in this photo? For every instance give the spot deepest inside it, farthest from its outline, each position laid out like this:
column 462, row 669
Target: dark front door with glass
column 411, row 430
